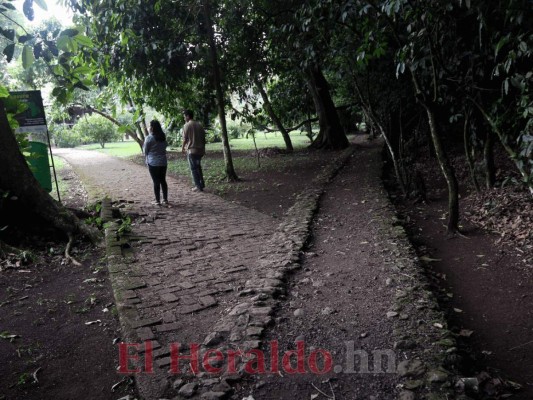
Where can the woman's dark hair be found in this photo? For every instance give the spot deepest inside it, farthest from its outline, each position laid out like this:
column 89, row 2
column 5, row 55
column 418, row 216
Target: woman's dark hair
column 157, row 132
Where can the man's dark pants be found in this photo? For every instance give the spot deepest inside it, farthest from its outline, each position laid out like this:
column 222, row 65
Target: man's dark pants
column 196, row 170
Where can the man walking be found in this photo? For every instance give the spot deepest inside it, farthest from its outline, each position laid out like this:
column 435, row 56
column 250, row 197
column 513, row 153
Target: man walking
column 194, row 145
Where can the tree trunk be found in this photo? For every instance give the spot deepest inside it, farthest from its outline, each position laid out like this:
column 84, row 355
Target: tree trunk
column 309, row 129
column 448, row 172
column 371, row 117
column 520, row 165
column 17, row 180
column 488, row 157
column 331, row 135
column 230, row 171
column 270, row 111
column 392, row 153
column 468, row 154
column 139, row 136
column 144, row 127
column 442, row 158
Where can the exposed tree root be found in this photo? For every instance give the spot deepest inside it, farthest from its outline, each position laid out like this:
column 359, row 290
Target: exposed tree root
column 67, row 251
column 5, row 249
column 452, row 234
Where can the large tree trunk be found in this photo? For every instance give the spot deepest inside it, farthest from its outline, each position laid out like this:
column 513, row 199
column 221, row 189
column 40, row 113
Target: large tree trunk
column 331, row 135
column 25, row 193
column 230, row 171
column 270, row 111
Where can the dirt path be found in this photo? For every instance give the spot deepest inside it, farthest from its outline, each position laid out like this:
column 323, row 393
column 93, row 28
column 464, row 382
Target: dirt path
column 490, row 289
column 340, row 299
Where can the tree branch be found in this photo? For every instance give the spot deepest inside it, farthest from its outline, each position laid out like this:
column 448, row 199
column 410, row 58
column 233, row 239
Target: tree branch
column 130, row 132
column 295, row 127
column 15, row 22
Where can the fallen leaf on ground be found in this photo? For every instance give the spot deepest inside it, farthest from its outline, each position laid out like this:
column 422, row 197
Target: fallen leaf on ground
column 429, row 259
column 8, row 336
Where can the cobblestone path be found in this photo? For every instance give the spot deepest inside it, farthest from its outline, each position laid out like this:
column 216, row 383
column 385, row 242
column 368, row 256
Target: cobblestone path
column 192, row 259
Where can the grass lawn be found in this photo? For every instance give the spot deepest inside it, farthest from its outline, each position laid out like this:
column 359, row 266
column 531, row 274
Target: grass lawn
column 263, row 140
column 131, row 148
column 244, row 163
column 213, row 164
column 117, row 149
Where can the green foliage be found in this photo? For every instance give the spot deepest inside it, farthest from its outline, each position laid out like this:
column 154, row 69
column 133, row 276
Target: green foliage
column 8, row 336
column 24, row 378
column 94, row 220
column 12, row 108
column 65, row 136
column 382, row 58
column 96, row 129
column 263, row 140
column 237, row 129
column 125, row 226
column 147, row 66
column 50, row 46
column 174, row 137
column 212, row 135
column 288, row 99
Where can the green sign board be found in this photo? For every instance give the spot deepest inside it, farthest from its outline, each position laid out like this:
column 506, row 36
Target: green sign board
column 33, row 119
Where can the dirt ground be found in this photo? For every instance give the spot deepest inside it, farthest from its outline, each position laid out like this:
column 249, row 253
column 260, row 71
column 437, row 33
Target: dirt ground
column 58, row 343
column 58, row 323
column 484, row 283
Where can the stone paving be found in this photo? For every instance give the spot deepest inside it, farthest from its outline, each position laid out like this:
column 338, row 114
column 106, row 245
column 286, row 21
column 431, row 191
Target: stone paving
column 204, row 271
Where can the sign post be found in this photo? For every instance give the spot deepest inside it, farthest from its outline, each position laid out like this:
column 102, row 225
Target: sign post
column 33, row 122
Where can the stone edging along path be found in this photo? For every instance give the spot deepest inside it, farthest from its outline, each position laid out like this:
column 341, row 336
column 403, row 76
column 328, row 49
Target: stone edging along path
column 424, row 344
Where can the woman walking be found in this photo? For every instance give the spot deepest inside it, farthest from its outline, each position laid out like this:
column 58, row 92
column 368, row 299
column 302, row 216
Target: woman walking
column 155, row 152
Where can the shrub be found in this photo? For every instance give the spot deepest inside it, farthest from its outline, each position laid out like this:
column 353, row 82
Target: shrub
column 96, row 129
column 64, row 136
column 236, row 130
column 212, row 136
column 174, row 137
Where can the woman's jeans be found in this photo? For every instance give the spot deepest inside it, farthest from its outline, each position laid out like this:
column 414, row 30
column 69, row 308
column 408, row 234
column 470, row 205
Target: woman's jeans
column 196, row 170
column 158, row 177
